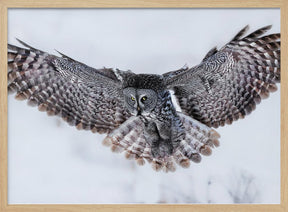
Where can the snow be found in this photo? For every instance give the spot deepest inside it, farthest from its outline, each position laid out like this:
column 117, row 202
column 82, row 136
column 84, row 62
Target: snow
column 51, row 162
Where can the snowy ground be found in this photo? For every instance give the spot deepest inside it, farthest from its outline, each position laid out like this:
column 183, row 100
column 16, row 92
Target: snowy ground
column 51, row 162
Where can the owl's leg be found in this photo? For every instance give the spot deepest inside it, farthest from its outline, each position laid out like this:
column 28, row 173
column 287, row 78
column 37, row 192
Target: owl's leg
column 151, row 135
column 165, row 147
column 160, row 147
column 178, row 132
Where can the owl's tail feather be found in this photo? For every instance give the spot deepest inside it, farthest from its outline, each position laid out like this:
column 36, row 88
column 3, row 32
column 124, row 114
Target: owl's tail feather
column 129, row 137
column 199, row 140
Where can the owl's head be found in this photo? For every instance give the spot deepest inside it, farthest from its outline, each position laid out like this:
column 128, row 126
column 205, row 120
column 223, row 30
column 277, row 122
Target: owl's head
column 141, row 92
column 140, row 101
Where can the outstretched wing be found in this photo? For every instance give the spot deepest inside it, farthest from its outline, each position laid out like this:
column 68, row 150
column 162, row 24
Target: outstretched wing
column 229, row 83
column 87, row 98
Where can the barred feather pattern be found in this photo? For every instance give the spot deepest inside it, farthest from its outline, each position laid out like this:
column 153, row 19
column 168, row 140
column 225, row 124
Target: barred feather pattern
column 223, row 88
column 229, row 83
column 129, row 138
column 67, row 88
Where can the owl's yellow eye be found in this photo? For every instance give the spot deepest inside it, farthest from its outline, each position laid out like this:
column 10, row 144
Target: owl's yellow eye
column 133, row 99
column 144, row 98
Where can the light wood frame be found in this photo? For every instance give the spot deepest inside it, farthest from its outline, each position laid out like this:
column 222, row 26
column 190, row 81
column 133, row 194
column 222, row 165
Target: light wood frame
column 6, row 4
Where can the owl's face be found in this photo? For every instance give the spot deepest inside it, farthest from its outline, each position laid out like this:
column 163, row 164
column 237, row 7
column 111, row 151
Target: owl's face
column 139, row 101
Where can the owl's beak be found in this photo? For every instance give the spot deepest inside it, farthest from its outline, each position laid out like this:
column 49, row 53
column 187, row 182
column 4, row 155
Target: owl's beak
column 138, row 111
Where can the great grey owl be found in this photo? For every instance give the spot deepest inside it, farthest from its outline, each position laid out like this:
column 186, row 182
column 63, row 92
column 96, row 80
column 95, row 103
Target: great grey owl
column 136, row 110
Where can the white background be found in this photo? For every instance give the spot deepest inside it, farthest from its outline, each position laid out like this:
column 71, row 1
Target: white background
column 51, row 162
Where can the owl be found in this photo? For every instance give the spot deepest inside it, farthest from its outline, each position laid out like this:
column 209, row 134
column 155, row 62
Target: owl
column 136, row 110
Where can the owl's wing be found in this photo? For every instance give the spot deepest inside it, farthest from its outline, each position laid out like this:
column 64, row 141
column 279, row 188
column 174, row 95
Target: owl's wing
column 87, row 98
column 229, row 83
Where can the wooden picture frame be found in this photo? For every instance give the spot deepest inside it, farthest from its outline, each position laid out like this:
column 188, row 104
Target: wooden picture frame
column 6, row 4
